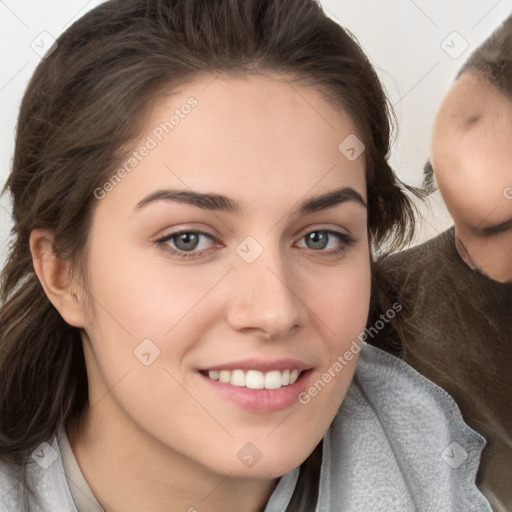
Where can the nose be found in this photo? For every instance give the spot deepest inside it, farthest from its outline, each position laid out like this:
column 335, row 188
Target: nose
column 263, row 298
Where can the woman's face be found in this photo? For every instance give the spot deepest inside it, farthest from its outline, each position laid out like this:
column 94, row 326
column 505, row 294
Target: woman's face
column 235, row 248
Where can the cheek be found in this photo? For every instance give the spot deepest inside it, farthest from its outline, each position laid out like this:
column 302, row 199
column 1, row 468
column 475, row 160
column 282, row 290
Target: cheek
column 341, row 298
column 141, row 294
column 463, row 205
column 146, row 316
column 474, row 200
column 349, row 309
column 345, row 307
column 342, row 313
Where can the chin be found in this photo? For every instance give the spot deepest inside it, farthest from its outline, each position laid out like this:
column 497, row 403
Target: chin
column 499, row 277
column 268, row 467
column 261, row 460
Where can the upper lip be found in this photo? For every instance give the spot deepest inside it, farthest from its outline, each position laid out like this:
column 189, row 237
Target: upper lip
column 260, row 365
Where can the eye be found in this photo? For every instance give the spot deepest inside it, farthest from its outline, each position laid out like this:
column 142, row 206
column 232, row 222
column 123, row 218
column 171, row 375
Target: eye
column 319, row 240
column 183, row 242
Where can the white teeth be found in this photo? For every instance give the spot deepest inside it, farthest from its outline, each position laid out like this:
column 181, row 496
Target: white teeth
column 273, row 380
column 254, row 379
column 294, row 375
column 224, row 376
column 237, row 378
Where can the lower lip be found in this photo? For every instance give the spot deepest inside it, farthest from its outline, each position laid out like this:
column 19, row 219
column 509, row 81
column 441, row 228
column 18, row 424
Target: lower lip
column 262, row 400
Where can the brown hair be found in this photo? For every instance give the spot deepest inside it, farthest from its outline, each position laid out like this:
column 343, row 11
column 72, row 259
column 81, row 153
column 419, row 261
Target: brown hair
column 84, row 106
column 493, row 58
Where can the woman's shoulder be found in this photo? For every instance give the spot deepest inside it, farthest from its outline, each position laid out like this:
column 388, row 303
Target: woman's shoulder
column 399, row 442
column 38, row 486
column 9, row 486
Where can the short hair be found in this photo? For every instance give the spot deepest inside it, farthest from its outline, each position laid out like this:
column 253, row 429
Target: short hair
column 493, row 58
column 429, row 186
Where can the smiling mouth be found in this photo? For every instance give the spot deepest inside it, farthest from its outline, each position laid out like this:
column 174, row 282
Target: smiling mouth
column 254, row 379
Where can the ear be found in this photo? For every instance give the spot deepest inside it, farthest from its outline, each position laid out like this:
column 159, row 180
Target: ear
column 54, row 275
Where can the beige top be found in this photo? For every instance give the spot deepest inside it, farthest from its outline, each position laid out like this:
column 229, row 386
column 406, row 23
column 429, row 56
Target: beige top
column 81, row 493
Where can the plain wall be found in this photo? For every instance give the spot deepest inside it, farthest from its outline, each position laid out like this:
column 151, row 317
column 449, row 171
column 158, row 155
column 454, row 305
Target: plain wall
column 416, row 46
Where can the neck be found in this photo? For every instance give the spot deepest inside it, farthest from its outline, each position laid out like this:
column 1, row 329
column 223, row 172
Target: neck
column 463, row 253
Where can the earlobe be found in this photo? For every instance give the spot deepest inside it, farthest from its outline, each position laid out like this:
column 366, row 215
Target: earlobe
column 55, row 277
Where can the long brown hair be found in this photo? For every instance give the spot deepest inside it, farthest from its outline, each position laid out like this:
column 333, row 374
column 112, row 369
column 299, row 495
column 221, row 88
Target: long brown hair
column 83, row 107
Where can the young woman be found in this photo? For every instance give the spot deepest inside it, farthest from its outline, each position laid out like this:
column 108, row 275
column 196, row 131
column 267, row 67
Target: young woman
column 199, row 188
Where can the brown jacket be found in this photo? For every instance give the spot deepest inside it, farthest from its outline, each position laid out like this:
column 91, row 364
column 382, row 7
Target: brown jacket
column 458, row 333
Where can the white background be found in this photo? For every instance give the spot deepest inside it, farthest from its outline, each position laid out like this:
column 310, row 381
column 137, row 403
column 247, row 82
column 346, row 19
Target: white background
column 411, row 43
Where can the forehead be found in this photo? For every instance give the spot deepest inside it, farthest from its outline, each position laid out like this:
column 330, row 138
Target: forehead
column 259, row 103
column 473, row 128
column 472, row 151
column 473, row 101
column 255, row 137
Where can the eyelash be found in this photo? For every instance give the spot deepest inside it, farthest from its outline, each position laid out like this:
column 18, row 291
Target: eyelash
column 182, row 254
column 346, row 240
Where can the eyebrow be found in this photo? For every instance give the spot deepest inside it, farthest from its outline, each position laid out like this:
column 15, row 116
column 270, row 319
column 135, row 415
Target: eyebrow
column 206, row 201
column 329, row 200
column 217, row 202
column 493, row 230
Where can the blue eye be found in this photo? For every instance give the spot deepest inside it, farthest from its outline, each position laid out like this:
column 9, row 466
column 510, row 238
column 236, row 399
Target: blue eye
column 185, row 242
column 189, row 244
column 319, row 240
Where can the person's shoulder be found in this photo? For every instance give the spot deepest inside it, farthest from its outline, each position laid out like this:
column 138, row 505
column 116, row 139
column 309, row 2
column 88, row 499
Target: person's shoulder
column 431, row 264
column 422, row 255
column 10, row 486
column 39, row 484
column 398, row 438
